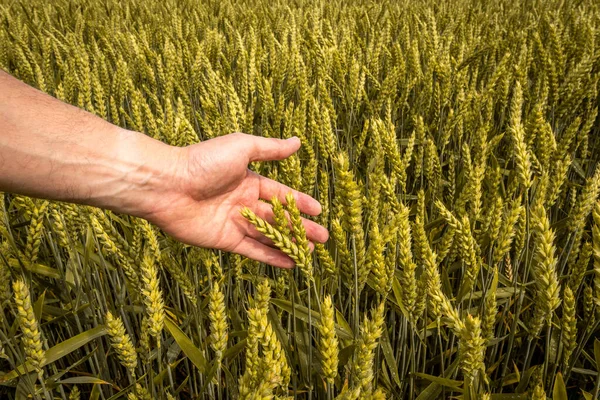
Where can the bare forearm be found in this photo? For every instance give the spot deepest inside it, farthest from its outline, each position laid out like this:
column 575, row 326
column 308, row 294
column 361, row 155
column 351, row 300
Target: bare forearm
column 52, row 150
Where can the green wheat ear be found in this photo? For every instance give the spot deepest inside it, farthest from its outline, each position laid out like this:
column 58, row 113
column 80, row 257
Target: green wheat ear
column 121, row 342
column 32, row 338
column 329, row 341
column 218, row 320
column 75, row 393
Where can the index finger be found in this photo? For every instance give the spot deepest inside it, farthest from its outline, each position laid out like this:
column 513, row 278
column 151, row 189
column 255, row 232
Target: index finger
column 269, row 189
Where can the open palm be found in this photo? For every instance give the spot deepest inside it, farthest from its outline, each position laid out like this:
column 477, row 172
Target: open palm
column 214, row 183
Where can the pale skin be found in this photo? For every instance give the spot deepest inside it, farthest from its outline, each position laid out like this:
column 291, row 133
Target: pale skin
column 52, row 150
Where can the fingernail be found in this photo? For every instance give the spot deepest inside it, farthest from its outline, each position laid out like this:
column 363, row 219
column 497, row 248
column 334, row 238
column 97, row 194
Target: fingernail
column 294, row 138
column 319, row 207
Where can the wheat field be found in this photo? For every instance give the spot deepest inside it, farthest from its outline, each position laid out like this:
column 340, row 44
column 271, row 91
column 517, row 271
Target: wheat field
column 453, row 147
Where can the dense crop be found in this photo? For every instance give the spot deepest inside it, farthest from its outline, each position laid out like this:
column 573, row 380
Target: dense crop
column 452, row 145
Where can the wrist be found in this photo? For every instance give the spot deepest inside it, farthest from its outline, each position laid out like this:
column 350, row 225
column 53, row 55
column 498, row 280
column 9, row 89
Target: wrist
column 149, row 170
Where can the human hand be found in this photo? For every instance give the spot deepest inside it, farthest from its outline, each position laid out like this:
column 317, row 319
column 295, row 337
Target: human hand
column 51, row 150
column 212, row 182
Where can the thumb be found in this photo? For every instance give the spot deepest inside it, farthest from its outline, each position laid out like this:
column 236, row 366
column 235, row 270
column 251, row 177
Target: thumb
column 269, row 149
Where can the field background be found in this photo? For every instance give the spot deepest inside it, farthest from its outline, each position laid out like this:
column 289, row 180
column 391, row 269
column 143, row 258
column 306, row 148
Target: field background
column 453, row 146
